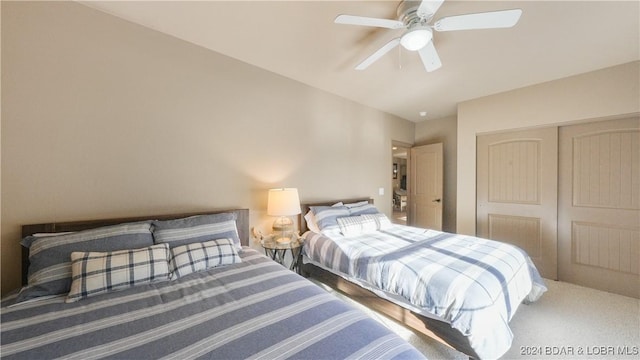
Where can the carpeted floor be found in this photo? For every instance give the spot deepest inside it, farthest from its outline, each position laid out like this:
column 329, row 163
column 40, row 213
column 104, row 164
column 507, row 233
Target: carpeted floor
column 568, row 322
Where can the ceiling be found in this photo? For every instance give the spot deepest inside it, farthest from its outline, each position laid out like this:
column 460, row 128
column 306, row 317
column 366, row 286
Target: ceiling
column 298, row 39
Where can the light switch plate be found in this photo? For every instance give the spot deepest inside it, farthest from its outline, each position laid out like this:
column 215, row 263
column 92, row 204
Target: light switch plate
column 381, row 191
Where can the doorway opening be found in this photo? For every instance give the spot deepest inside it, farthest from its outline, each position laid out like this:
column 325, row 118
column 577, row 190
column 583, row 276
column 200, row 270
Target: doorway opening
column 400, row 172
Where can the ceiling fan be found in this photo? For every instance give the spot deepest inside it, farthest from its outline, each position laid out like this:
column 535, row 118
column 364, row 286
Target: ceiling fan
column 415, row 16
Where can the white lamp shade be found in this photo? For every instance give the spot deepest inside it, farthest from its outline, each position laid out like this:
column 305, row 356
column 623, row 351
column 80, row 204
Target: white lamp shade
column 283, row 202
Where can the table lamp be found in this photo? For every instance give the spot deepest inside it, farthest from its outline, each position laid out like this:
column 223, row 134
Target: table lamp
column 283, row 203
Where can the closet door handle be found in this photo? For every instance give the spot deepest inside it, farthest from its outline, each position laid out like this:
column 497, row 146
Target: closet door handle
column 437, row 200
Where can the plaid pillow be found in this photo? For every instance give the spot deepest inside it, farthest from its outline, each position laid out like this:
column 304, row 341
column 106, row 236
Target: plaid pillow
column 97, row 273
column 194, row 257
column 381, row 220
column 50, row 268
column 356, row 225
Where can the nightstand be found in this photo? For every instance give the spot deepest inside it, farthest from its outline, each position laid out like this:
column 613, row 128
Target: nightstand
column 277, row 251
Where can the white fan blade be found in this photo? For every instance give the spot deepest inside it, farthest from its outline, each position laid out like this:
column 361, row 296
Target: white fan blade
column 428, row 7
column 430, row 58
column 367, row 21
column 378, row 54
column 488, row 20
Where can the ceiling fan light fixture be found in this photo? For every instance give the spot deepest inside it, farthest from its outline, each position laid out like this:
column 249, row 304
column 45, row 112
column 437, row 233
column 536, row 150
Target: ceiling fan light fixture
column 415, row 16
column 416, row 38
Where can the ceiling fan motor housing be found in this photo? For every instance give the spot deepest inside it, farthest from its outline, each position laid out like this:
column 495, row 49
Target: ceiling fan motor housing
column 407, row 12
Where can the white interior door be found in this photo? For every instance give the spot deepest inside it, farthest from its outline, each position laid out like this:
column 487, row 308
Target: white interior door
column 599, row 205
column 517, row 192
column 425, row 186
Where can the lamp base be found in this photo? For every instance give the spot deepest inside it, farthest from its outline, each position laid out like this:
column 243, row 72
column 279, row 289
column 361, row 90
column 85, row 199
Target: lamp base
column 283, row 229
column 283, row 240
column 282, row 224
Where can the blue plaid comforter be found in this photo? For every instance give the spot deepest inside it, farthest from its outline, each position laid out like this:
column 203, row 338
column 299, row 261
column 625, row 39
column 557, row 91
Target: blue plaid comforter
column 475, row 284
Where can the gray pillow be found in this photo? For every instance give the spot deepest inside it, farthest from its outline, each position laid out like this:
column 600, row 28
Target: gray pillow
column 195, row 229
column 50, row 256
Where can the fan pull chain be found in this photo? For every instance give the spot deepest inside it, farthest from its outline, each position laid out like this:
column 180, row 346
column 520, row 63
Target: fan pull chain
column 399, row 57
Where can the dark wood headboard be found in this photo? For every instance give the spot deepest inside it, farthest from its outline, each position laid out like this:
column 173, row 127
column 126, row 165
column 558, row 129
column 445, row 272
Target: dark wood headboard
column 242, row 223
column 305, row 208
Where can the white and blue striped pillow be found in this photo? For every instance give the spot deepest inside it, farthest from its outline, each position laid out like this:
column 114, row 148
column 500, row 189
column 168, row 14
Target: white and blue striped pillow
column 362, row 209
column 96, row 273
column 355, row 204
column 194, row 257
column 196, row 229
column 326, row 216
column 49, row 256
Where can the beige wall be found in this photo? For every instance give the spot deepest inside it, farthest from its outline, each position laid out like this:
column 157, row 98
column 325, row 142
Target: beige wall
column 102, row 118
column 601, row 94
column 443, row 131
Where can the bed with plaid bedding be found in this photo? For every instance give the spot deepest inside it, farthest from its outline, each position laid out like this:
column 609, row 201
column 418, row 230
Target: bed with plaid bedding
column 474, row 284
column 247, row 310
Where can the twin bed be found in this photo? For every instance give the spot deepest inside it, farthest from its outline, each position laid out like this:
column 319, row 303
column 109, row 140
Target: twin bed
column 228, row 301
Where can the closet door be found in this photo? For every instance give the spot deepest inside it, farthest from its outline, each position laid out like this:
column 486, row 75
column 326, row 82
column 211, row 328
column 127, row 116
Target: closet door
column 599, row 205
column 517, row 192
